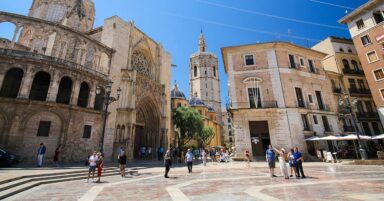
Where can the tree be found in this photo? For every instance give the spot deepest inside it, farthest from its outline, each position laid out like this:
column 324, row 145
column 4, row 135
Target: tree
column 205, row 136
column 189, row 122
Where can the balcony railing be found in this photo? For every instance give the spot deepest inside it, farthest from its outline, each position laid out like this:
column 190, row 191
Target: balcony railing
column 353, row 71
column 349, row 129
column 359, row 91
column 312, row 106
column 367, row 115
column 261, row 105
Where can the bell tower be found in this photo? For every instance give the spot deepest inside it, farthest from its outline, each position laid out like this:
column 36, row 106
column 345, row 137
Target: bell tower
column 76, row 14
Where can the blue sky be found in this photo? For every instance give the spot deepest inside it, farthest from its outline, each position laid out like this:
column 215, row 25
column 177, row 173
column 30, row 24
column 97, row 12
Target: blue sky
column 177, row 23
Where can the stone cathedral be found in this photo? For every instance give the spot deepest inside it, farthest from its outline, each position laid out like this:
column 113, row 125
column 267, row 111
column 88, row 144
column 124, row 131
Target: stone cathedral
column 50, row 70
column 204, row 79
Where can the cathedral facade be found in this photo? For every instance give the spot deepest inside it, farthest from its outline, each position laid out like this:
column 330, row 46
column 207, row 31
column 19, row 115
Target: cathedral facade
column 50, row 70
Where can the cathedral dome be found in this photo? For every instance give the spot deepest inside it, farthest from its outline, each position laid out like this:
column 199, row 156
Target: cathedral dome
column 196, row 102
column 177, row 93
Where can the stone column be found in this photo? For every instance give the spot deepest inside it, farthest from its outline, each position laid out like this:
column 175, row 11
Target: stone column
column 53, row 87
column 15, row 35
column 75, row 92
column 26, row 84
column 2, row 75
column 92, row 96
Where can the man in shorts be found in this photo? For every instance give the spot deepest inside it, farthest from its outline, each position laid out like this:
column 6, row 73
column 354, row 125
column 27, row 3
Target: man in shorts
column 92, row 166
column 270, row 156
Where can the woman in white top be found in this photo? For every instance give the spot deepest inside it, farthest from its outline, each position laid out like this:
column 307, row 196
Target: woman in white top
column 283, row 166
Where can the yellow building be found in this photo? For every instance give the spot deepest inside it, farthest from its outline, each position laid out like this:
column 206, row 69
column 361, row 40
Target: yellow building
column 208, row 114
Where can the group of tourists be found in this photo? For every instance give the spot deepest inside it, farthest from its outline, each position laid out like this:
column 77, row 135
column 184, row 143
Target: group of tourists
column 95, row 161
column 41, row 152
column 294, row 157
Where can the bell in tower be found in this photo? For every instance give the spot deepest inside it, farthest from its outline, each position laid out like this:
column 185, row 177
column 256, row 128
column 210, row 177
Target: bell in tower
column 76, row 14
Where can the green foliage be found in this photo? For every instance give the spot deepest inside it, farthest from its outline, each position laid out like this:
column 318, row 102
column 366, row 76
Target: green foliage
column 205, row 136
column 189, row 122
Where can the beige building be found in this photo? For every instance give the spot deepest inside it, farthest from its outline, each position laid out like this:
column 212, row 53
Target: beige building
column 365, row 25
column 348, row 81
column 49, row 72
column 208, row 114
column 280, row 95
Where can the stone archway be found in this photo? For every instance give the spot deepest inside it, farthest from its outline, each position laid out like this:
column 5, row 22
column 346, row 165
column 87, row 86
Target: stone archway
column 147, row 127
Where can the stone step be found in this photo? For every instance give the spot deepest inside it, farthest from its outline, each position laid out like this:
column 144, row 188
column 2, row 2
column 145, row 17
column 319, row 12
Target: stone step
column 19, row 181
column 31, row 184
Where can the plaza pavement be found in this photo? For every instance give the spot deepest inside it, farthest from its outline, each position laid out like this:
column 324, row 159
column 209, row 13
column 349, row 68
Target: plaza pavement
column 221, row 182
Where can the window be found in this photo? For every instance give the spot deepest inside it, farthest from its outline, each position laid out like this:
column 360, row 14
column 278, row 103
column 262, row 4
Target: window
column 360, row 24
column 341, row 50
column 214, row 71
column 299, row 97
column 87, row 131
column 372, row 56
column 310, row 100
column 365, row 40
column 315, row 121
column 205, row 72
column 195, row 71
column 379, row 74
column 249, row 60
column 376, row 128
column 361, row 84
column 366, row 128
column 368, row 105
column 378, row 16
column 346, row 64
column 312, row 68
column 320, row 100
column 178, row 105
column 44, row 127
column 200, row 112
column 302, row 62
column 305, row 122
column 355, row 65
column 349, row 50
column 327, row 128
column 352, row 83
column 254, row 95
column 382, row 93
column 292, row 61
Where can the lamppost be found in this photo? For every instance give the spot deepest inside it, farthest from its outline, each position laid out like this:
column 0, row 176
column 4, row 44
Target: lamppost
column 108, row 99
column 350, row 107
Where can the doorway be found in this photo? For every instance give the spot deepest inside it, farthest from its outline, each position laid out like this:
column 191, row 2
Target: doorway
column 259, row 131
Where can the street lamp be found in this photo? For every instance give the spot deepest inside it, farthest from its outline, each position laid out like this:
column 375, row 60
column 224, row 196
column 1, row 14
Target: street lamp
column 108, row 99
column 344, row 102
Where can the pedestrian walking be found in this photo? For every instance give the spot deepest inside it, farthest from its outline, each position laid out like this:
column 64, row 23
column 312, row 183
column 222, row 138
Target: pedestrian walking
column 270, row 156
column 189, row 160
column 99, row 165
column 247, row 157
column 40, row 154
column 167, row 162
column 92, row 166
column 283, row 166
column 204, row 157
column 160, row 153
column 119, row 152
column 299, row 160
column 57, row 154
column 292, row 163
column 122, row 163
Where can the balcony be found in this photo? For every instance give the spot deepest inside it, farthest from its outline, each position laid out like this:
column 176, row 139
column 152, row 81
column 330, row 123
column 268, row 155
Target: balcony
column 336, row 90
column 367, row 115
column 359, row 92
column 260, row 105
column 353, row 72
column 348, row 129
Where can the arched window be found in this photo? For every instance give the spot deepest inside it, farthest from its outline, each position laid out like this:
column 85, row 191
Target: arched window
column 341, row 50
column 122, row 133
column 99, row 99
column 214, row 71
column 11, row 84
column 82, row 101
column 40, row 86
column 195, row 71
column 346, row 64
column 355, row 65
column 378, row 16
column 8, row 30
column 65, row 91
column 117, row 133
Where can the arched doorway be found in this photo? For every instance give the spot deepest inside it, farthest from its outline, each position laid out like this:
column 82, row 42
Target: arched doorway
column 65, row 90
column 83, row 95
column 147, row 128
column 40, row 86
column 11, row 83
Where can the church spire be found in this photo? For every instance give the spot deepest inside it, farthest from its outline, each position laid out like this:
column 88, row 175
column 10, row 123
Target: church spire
column 202, row 44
